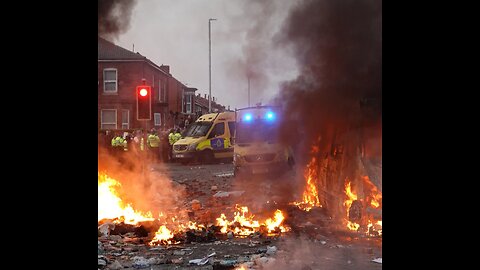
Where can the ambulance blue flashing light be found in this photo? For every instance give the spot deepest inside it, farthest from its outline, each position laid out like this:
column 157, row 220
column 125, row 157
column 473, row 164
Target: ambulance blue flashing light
column 270, row 116
column 247, row 117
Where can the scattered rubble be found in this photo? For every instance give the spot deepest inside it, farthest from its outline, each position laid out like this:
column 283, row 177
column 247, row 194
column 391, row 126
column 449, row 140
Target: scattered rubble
column 223, row 194
column 115, row 265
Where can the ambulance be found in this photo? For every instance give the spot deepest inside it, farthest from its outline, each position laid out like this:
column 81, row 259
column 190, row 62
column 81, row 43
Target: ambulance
column 207, row 140
column 258, row 150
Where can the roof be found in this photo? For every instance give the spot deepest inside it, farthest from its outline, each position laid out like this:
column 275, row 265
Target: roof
column 109, row 51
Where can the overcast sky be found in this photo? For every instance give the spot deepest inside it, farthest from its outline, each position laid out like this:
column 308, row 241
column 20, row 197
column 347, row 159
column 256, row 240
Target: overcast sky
column 175, row 33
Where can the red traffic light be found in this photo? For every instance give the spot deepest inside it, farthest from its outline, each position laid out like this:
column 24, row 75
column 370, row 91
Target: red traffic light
column 144, row 102
column 143, row 92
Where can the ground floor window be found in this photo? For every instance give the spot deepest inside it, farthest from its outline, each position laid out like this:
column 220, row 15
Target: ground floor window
column 108, row 119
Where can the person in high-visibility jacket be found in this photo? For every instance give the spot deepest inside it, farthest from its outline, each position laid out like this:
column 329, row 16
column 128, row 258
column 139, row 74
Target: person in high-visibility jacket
column 117, row 143
column 177, row 135
column 171, row 141
column 153, row 143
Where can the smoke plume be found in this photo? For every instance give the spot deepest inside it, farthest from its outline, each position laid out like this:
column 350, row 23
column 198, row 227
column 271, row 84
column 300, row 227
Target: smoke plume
column 338, row 47
column 114, row 17
column 259, row 60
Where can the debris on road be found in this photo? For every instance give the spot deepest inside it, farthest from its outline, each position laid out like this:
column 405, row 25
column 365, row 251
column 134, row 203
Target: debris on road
column 223, row 194
column 202, row 261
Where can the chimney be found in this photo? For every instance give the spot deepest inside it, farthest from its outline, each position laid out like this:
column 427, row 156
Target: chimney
column 205, row 96
column 165, row 68
column 229, row 107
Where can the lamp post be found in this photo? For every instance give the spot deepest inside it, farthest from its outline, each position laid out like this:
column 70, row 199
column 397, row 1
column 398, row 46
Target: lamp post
column 210, row 66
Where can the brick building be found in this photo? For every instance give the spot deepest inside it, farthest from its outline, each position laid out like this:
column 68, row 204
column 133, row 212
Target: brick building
column 119, row 72
column 201, row 105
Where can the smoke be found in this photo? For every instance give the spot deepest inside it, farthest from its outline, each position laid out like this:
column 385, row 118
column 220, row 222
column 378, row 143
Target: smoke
column 144, row 190
column 338, row 48
column 114, row 17
column 259, row 60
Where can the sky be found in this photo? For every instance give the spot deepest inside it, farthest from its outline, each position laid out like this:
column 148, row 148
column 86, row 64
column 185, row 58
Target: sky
column 243, row 44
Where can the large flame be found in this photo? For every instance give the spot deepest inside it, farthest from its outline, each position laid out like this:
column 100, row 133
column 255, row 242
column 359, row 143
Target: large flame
column 244, row 224
column 351, row 196
column 310, row 194
column 374, row 195
column 373, row 227
column 110, row 206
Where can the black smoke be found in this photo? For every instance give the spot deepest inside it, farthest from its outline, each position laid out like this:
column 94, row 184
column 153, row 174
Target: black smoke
column 338, row 47
column 114, row 17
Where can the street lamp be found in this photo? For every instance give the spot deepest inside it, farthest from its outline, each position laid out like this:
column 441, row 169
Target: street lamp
column 210, row 66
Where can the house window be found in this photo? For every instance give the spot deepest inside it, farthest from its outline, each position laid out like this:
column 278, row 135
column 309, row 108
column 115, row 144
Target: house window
column 110, row 80
column 125, row 119
column 157, row 117
column 108, row 119
column 188, row 103
column 162, row 92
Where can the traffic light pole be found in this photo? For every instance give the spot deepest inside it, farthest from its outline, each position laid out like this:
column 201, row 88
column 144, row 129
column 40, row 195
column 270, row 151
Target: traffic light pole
column 145, row 154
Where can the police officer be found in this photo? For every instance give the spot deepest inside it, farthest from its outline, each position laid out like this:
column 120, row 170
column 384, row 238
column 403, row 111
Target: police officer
column 153, row 142
column 171, row 141
column 117, row 144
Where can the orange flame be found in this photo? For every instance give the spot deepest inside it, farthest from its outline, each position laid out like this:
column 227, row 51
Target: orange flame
column 351, row 196
column 375, row 196
column 162, row 236
column 110, row 206
column 348, row 203
column 310, row 194
column 243, row 223
column 374, row 228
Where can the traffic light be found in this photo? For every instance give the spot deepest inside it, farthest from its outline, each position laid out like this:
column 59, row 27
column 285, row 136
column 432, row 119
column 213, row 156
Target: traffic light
column 144, row 102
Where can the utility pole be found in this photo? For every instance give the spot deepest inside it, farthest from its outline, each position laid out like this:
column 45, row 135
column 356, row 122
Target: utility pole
column 249, row 91
column 210, row 66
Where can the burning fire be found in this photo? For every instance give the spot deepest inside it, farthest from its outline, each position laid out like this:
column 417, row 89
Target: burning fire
column 162, row 236
column 351, row 196
column 375, row 196
column 374, row 228
column 243, row 223
column 310, row 195
column 110, row 206
column 348, row 203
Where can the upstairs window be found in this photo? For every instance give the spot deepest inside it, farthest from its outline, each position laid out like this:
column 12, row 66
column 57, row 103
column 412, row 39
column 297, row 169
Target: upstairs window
column 110, row 80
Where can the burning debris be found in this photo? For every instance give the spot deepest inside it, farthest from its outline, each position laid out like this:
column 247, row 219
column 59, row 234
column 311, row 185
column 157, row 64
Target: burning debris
column 357, row 218
column 243, row 223
column 310, row 195
column 110, row 206
column 118, row 218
